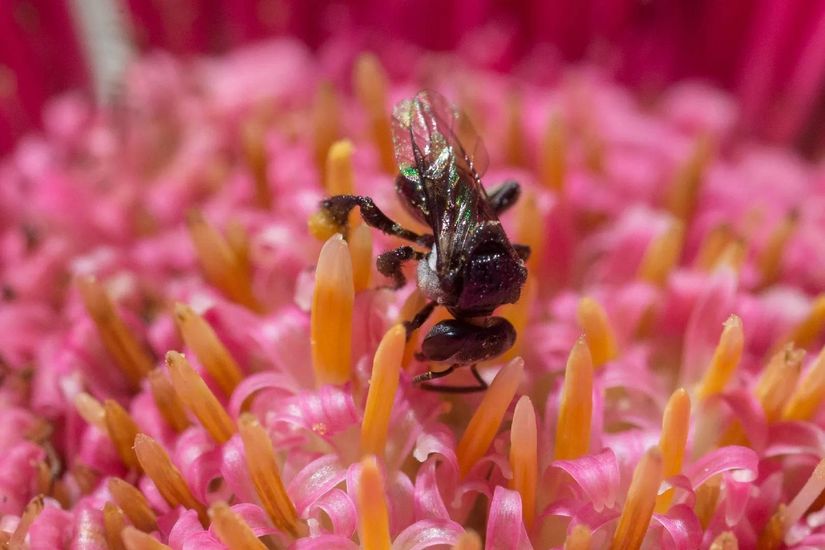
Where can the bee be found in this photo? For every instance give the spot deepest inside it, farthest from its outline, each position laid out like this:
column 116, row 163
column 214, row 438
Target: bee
column 469, row 267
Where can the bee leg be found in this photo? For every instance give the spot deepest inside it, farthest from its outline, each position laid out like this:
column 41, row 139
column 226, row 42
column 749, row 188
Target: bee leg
column 339, row 207
column 423, row 381
column 419, row 319
column 523, row 251
column 504, row 196
column 390, row 263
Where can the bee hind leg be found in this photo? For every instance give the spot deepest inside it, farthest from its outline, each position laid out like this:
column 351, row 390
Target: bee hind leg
column 423, row 381
column 390, row 264
column 339, row 207
column 419, row 318
column 504, row 196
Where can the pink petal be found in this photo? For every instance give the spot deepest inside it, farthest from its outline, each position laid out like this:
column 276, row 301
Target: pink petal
column 595, row 477
column 505, row 528
column 314, row 481
column 324, row 542
column 427, row 534
column 681, row 527
column 742, row 462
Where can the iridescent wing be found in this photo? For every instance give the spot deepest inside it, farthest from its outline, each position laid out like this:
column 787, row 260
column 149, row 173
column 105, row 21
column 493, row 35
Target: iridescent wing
column 438, row 150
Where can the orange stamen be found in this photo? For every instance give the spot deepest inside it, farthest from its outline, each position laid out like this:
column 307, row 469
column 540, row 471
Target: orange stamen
column 681, row 199
column 805, row 497
column 576, row 405
column 597, row 329
column 370, row 84
column 579, row 538
column 360, row 249
column 553, row 159
column 662, row 254
column 773, row 533
column 529, row 230
column 386, row 367
column 769, row 261
column 524, row 457
column 118, row 340
column 167, row 400
column 340, row 176
column 707, row 498
column 167, row 478
column 810, row 328
column 468, row 540
column 331, row 315
column 514, row 145
column 199, row 399
column 222, row 266
column 412, row 305
column 17, row 541
column 253, row 135
column 518, row 314
column 113, row 523
column 122, row 431
column 208, row 348
column 725, row 541
column 725, row 359
column 90, row 410
column 486, row 420
column 133, row 503
column 675, row 427
column 373, row 517
column 778, row 381
column 809, row 394
column 325, row 122
column 232, row 530
column 138, row 540
column 641, row 499
column 265, row 475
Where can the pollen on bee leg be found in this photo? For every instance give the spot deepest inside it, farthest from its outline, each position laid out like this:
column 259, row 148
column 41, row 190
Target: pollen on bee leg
column 231, row 529
column 386, row 367
column 321, row 226
column 133, row 503
column 370, row 84
column 373, row 516
column 809, row 329
column 524, row 457
column 725, row 359
column 167, row 478
column 487, row 418
column 360, row 249
column 30, row 513
column 118, row 340
column 468, row 540
column 641, row 499
column 518, row 314
column 579, row 538
column 662, row 254
column 222, row 266
column 687, row 181
column 210, row 351
column 675, row 427
column 725, row 541
column 135, row 539
column 122, row 431
column 167, row 400
column 771, row 536
column 805, row 497
column 340, row 177
column 331, row 313
column 778, row 380
column 113, row 523
column 809, row 393
column 199, row 399
column 253, row 136
column 514, row 145
column 90, row 410
column 769, row 261
column 553, row 155
column 265, row 475
column 573, row 425
column 326, row 123
column 601, row 340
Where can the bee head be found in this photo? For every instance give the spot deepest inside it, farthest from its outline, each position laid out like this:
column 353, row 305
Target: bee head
column 492, row 276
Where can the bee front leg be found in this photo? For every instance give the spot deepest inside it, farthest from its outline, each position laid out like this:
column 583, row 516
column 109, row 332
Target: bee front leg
column 504, row 196
column 390, row 264
column 339, row 207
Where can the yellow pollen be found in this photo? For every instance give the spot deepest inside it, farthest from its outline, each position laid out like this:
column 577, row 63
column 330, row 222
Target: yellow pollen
column 253, row 137
column 597, row 329
column 524, row 457
column 360, row 249
column 773, row 533
column 222, row 266
column 325, row 122
column 725, row 541
column 331, row 314
column 468, row 540
column 30, row 513
column 134, row 539
column 641, row 499
column 809, row 394
column 340, row 177
column 412, row 305
column 662, row 254
column 514, row 146
column 118, row 340
column 199, row 399
column 553, row 159
column 386, row 367
column 122, row 431
column 166, row 476
column 373, row 517
column 133, row 503
column 210, row 351
column 707, row 498
column 769, row 261
column 265, row 475
column 805, row 497
column 486, row 420
column 370, row 84
column 518, row 314
column 167, row 401
column 579, row 538
column 232, row 530
column 321, row 226
column 681, row 198
column 576, row 404
column 675, row 427
column 810, row 328
column 90, row 410
column 529, row 230
column 778, row 381
column 113, row 523
column 725, row 359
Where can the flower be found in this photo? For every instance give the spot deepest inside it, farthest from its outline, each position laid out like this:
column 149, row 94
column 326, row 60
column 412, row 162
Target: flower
column 193, row 356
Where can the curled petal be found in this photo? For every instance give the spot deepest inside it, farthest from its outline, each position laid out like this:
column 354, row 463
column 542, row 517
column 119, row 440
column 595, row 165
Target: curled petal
column 314, row 481
column 325, row 542
column 234, row 471
column 747, row 409
column 795, row 438
column 255, row 517
column 427, row 534
column 681, row 528
column 595, row 478
column 52, row 528
column 189, row 534
column 325, row 412
column 743, row 463
column 198, row 459
column 505, row 528
column 274, row 384
column 340, row 509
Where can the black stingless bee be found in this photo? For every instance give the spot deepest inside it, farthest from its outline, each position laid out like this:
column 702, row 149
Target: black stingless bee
column 471, row 267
